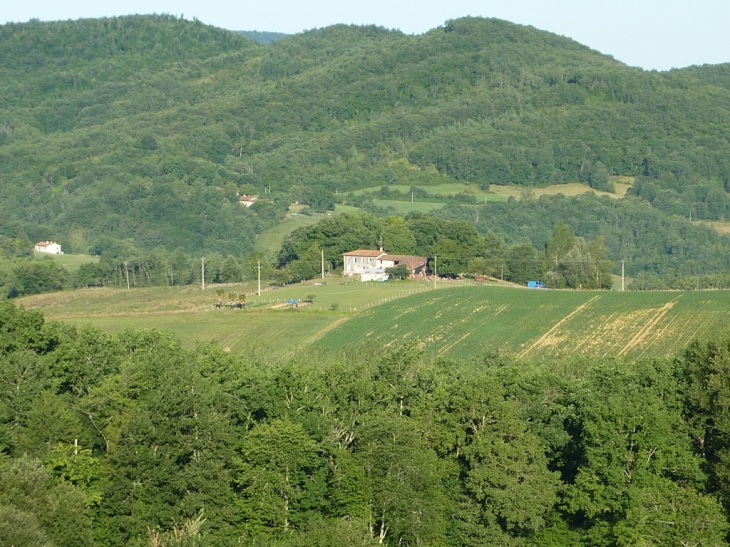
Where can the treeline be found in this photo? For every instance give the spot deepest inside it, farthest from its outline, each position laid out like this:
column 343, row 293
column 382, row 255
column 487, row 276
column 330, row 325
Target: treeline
column 455, row 248
column 128, row 439
column 127, row 128
column 23, row 274
column 644, row 237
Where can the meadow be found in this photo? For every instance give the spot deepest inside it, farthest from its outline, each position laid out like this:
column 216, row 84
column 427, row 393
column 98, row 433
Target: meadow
column 71, row 262
column 466, row 322
column 571, row 189
column 268, row 322
column 269, row 241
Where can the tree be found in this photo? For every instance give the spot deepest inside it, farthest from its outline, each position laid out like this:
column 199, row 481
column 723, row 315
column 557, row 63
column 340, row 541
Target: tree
column 400, row 271
column 559, row 244
column 272, row 473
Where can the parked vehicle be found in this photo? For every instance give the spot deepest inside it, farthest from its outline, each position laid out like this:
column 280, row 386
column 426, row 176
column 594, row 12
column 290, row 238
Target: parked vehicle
column 535, row 285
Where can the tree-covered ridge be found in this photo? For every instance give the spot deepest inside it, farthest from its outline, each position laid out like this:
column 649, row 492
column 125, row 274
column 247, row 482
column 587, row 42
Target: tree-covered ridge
column 263, row 37
column 156, row 115
column 137, row 436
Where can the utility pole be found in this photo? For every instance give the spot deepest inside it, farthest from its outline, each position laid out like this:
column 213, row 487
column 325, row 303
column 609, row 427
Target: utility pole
column 623, row 263
column 435, row 275
column 477, row 218
column 126, row 269
column 202, row 270
column 411, row 196
column 502, row 271
column 322, row 264
column 259, row 267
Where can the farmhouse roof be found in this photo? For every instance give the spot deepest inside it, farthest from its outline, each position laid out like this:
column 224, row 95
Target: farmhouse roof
column 244, row 197
column 366, row 252
column 44, row 243
column 412, row 262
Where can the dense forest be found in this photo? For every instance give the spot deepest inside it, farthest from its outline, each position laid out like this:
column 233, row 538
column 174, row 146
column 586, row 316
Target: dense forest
column 141, row 131
column 128, row 439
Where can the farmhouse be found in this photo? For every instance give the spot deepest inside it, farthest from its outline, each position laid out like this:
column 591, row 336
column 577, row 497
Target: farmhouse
column 48, row 247
column 370, row 265
column 247, row 201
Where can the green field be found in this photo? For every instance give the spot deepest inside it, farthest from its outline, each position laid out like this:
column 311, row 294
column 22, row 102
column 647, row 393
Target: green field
column 269, row 241
column 443, row 190
column 456, row 320
column 464, row 322
column 407, row 206
column 268, row 322
column 68, row 261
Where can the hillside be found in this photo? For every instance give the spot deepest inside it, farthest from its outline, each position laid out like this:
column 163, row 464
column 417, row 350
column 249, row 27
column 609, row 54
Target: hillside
column 464, row 323
column 138, row 132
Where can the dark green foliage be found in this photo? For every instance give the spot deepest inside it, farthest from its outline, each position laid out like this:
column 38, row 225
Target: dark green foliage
column 139, row 441
column 136, row 128
column 263, row 37
column 647, row 239
column 400, row 271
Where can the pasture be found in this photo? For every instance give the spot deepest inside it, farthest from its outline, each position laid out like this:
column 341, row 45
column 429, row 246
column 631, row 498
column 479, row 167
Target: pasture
column 458, row 320
column 269, row 241
column 571, row 189
column 267, row 322
column 466, row 322
column 70, row 262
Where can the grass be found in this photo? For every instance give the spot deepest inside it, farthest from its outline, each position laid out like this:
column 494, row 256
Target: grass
column 273, row 332
column 69, row 261
column 720, row 226
column 407, row 206
column 189, row 312
column 571, row 189
column 269, row 241
column 455, row 321
column 464, row 322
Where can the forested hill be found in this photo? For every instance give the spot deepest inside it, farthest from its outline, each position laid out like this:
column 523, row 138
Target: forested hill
column 263, row 37
column 143, row 129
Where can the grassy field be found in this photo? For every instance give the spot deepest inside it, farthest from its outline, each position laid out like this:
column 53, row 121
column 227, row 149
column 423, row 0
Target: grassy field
column 269, row 241
column 407, row 206
column 720, row 226
column 622, row 185
column 458, row 320
column 443, row 190
column 464, row 322
column 268, row 322
column 68, row 261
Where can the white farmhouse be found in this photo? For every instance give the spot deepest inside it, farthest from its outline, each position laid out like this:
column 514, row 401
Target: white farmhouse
column 48, row 247
column 247, row 201
column 370, row 265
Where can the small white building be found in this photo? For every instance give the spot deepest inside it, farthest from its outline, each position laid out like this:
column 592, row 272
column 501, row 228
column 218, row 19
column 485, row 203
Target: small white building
column 48, row 247
column 247, row 201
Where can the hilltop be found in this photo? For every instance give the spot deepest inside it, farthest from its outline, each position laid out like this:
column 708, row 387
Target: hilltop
column 139, row 132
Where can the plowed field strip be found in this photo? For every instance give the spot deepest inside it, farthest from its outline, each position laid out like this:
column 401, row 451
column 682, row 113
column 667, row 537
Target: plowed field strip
column 640, row 336
column 543, row 340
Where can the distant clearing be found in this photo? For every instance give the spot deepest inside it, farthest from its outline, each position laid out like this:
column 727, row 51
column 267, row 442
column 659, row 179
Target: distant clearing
column 269, row 241
column 71, row 262
column 464, row 322
column 407, row 206
column 721, row 227
column 571, row 189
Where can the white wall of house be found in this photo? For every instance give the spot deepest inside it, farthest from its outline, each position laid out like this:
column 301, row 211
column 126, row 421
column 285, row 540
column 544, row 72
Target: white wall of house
column 51, row 248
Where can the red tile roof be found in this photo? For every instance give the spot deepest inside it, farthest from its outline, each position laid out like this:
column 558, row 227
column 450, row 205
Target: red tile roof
column 366, row 252
column 412, row 262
